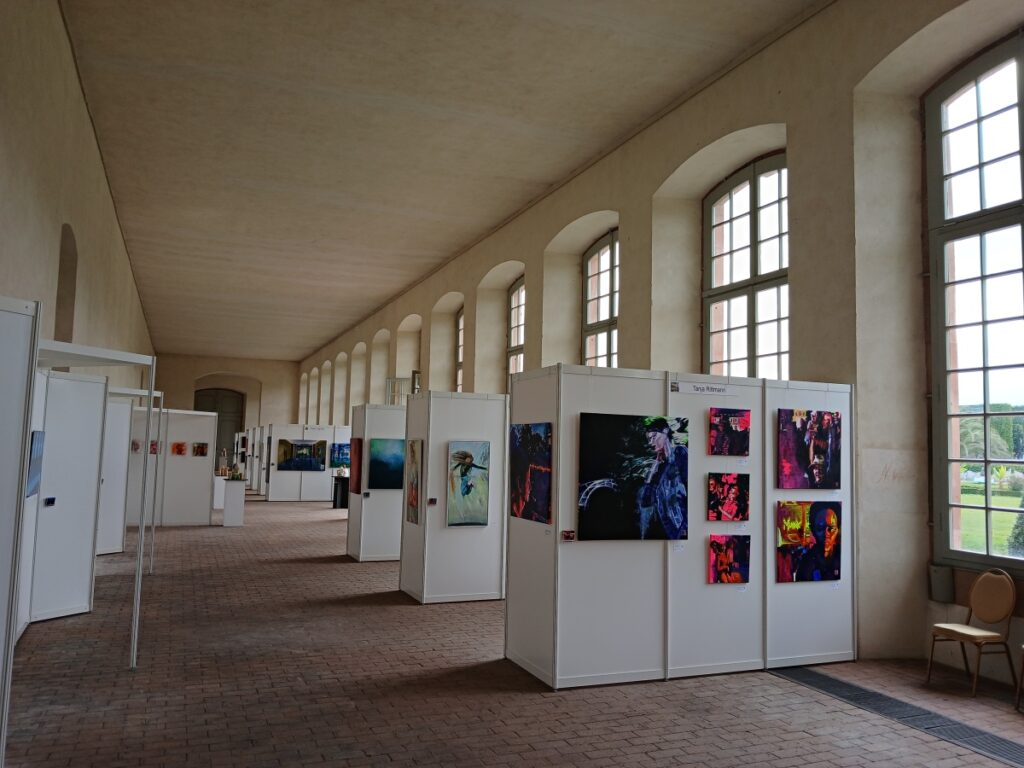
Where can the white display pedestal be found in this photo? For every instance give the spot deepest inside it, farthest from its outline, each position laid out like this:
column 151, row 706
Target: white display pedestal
column 375, row 515
column 597, row 612
column 442, row 563
column 234, row 503
column 218, row 491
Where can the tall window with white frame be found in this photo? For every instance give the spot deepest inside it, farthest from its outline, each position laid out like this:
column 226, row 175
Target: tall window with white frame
column 516, row 326
column 746, row 265
column 975, row 222
column 460, row 346
column 601, row 302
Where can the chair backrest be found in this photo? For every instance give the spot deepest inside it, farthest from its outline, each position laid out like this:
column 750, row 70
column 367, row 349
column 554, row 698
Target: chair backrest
column 993, row 596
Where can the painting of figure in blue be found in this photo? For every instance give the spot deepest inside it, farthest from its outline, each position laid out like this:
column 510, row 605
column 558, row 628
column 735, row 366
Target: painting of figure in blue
column 633, row 477
column 35, row 463
column 469, row 487
column 529, row 471
column 340, row 455
column 387, row 464
column 301, row 455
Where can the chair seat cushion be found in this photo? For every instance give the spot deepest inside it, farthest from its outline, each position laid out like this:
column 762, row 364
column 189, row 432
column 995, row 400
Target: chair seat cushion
column 967, row 633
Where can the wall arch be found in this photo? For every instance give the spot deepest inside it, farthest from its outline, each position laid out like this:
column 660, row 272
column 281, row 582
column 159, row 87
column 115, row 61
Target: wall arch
column 313, row 410
column 326, row 394
column 67, row 287
column 489, row 335
column 300, row 417
column 407, row 345
column 443, row 338
column 380, row 354
column 340, row 413
column 357, row 375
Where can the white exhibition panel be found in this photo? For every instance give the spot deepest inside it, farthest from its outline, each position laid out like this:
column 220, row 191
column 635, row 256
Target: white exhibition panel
column 379, row 512
column 530, row 579
column 411, row 570
column 607, row 590
column 810, row 622
column 250, row 460
column 461, row 562
column 28, row 526
column 355, row 500
column 65, row 547
column 187, row 480
column 114, row 477
column 715, row 628
column 317, row 486
column 17, row 349
column 262, row 459
column 218, row 492
column 287, row 485
column 155, row 469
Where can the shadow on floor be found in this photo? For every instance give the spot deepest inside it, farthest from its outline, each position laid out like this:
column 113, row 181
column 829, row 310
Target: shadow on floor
column 313, row 560
column 497, row 676
column 369, row 599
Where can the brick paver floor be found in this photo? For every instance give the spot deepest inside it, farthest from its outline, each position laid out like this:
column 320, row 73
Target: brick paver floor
column 264, row 646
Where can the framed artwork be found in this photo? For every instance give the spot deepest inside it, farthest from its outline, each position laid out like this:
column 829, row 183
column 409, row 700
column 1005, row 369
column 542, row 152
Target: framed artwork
column 154, row 447
column 809, row 448
column 469, row 463
column 179, row 449
column 529, row 471
column 728, row 559
column 633, row 477
column 808, row 544
column 728, row 432
column 413, row 473
column 341, row 455
column 35, row 462
column 728, row 496
column 355, row 480
column 301, row 455
column 387, row 461
column 136, row 446
column 200, row 449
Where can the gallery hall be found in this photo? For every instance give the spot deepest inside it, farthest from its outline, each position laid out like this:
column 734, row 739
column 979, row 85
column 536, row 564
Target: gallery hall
column 511, row 382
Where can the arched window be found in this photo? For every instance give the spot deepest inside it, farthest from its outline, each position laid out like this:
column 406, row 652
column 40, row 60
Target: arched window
column 746, row 265
column 601, row 302
column 516, row 326
column 975, row 218
column 460, row 346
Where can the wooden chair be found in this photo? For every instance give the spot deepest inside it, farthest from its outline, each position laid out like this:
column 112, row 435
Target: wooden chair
column 992, row 600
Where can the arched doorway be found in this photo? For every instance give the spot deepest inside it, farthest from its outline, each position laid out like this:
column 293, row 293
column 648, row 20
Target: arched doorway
column 229, row 406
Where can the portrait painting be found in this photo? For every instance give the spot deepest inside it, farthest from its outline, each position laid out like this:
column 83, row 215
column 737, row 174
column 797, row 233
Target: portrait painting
column 809, row 449
column 179, row 449
column 808, row 544
column 413, row 473
column 728, row 432
column 728, row 559
column 529, row 470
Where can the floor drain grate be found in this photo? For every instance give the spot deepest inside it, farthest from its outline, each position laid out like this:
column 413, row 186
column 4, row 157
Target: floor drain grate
column 939, row 726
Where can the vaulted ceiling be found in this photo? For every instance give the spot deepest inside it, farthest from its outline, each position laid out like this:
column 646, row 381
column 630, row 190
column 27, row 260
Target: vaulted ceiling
column 283, row 168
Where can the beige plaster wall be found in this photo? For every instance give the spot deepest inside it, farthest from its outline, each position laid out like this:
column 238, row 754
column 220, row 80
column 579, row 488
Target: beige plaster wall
column 176, row 377
column 51, row 174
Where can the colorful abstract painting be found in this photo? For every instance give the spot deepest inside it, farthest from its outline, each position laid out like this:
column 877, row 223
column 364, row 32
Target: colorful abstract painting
column 728, row 432
column 154, row 447
column 179, row 449
column 355, row 475
column 728, row 559
column 387, row 462
column 341, row 455
column 633, row 477
column 809, row 449
column 469, row 489
column 728, row 496
column 808, row 544
column 413, row 473
column 301, row 455
column 529, row 469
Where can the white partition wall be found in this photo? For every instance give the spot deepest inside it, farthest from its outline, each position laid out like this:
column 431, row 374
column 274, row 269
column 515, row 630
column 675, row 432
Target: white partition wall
column 110, row 528
column 17, row 349
column 316, row 486
column 28, row 527
column 442, row 562
column 375, row 515
column 283, row 485
column 65, row 546
column 811, row 622
column 302, row 482
column 154, row 455
column 187, row 486
column 604, row 611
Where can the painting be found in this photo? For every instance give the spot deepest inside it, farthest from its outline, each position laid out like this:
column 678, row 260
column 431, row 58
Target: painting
column 529, row 470
column 728, row 559
column 808, row 545
column 301, row 455
column 632, row 477
column 728, row 496
column 154, row 447
column 355, row 475
column 809, row 448
column 136, row 446
column 728, row 432
column 35, row 463
column 200, row 449
column 413, row 473
column 341, row 455
column 387, row 460
column 179, row 449
column 469, row 488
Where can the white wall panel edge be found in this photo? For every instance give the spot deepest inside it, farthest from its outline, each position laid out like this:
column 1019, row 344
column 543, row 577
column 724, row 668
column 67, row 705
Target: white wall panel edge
column 641, row 675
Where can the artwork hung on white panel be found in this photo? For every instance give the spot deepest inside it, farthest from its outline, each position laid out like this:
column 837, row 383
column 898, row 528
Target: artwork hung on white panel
column 469, row 464
column 413, row 473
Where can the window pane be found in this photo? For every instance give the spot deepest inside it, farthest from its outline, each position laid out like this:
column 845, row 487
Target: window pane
column 591, row 346
column 741, row 265
column 767, row 338
column 1006, row 486
column 1004, row 343
column 767, row 305
column 768, row 187
column 615, row 340
column 784, row 363
column 967, row 484
column 963, row 303
column 1002, row 250
column 784, row 300
column 960, row 108
column 738, row 343
column 967, row 529
column 738, row 368
column 718, row 347
column 963, row 347
column 963, row 194
column 784, row 215
column 768, row 221
column 963, row 258
column 1000, row 135
column 1000, row 437
column 785, row 251
column 592, row 311
column 1002, row 181
column 605, row 283
column 768, row 367
column 720, row 240
column 606, row 259
column 720, row 210
column 738, row 312
column 741, row 232
column 718, row 369
column 768, row 256
column 741, row 199
column 603, row 308
column 967, row 437
column 998, row 88
column 960, row 149
column 1004, row 297
column 784, row 336
column 718, row 310
column 1008, row 534
column 719, row 271
column 965, row 392
column 1005, row 387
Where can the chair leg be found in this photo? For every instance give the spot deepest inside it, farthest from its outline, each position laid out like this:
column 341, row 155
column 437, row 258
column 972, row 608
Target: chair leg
column 977, row 670
column 967, row 667
column 928, row 676
column 1009, row 659
column 1020, row 683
